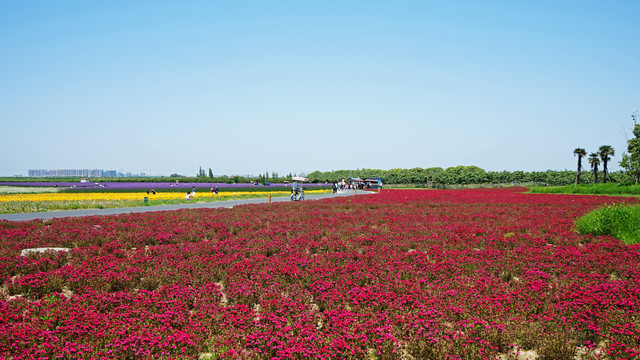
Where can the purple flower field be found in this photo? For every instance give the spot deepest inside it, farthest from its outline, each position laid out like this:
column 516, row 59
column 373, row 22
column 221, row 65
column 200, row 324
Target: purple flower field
column 142, row 185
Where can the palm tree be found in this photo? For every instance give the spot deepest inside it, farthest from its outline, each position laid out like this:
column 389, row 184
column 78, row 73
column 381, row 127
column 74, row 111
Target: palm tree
column 581, row 153
column 604, row 152
column 594, row 160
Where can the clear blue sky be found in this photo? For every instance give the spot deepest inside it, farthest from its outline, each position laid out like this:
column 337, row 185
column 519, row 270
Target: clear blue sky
column 297, row 86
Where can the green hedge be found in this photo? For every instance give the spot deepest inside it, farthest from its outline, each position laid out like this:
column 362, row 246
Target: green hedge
column 618, row 220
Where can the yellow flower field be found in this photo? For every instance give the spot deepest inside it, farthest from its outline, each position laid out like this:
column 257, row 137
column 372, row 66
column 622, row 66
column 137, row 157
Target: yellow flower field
column 113, row 196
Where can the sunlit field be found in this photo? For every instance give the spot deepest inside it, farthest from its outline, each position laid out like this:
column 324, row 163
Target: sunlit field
column 403, row 274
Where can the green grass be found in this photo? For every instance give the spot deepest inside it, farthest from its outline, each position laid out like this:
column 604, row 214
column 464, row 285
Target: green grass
column 27, row 189
column 590, row 189
column 617, row 220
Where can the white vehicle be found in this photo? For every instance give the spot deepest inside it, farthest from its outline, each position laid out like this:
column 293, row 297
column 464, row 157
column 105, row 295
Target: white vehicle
column 297, row 191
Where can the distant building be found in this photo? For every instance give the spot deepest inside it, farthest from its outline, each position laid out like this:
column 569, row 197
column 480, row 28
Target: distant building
column 95, row 173
column 84, row 173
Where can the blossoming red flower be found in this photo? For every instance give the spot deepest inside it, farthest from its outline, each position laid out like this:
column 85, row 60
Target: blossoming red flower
column 433, row 274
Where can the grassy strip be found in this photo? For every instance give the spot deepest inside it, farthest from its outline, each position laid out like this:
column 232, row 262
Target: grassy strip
column 590, row 189
column 15, row 207
column 617, row 220
column 27, row 190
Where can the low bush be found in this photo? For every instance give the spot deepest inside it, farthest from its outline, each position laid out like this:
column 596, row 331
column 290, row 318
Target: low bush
column 617, row 220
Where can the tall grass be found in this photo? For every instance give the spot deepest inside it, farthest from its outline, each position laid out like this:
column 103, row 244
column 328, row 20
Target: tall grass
column 590, row 189
column 618, row 220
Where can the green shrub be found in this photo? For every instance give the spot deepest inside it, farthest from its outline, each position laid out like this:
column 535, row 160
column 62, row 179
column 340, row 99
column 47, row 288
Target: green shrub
column 618, row 220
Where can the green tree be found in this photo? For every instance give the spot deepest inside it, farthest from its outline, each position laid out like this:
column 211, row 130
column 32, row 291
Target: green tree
column 210, row 173
column 580, row 152
column 631, row 159
column 435, row 174
column 604, row 152
column 517, row 176
column 397, row 176
column 594, row 160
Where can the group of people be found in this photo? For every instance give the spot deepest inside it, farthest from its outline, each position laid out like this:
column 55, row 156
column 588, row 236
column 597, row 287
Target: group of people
column 191, row 194
column 362, row 185
column 340, row 186
column 153, row 191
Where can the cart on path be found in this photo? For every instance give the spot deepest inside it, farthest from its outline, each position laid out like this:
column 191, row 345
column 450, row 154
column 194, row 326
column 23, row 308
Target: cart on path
column 297, row 191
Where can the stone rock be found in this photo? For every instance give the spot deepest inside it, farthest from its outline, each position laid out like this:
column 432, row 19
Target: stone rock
column 25, row 252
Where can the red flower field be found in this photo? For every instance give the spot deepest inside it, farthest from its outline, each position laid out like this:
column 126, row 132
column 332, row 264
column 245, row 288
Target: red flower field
column 404, row 274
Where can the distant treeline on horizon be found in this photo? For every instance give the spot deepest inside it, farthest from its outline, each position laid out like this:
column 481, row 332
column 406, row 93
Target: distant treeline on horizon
column 458, row 175
column 467, row 175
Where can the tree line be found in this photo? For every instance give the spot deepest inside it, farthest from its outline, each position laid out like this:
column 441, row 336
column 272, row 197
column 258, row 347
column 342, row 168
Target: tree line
column 463, row 175
column 421, row 177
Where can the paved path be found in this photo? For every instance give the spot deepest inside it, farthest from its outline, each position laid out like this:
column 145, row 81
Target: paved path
column 215, row 204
